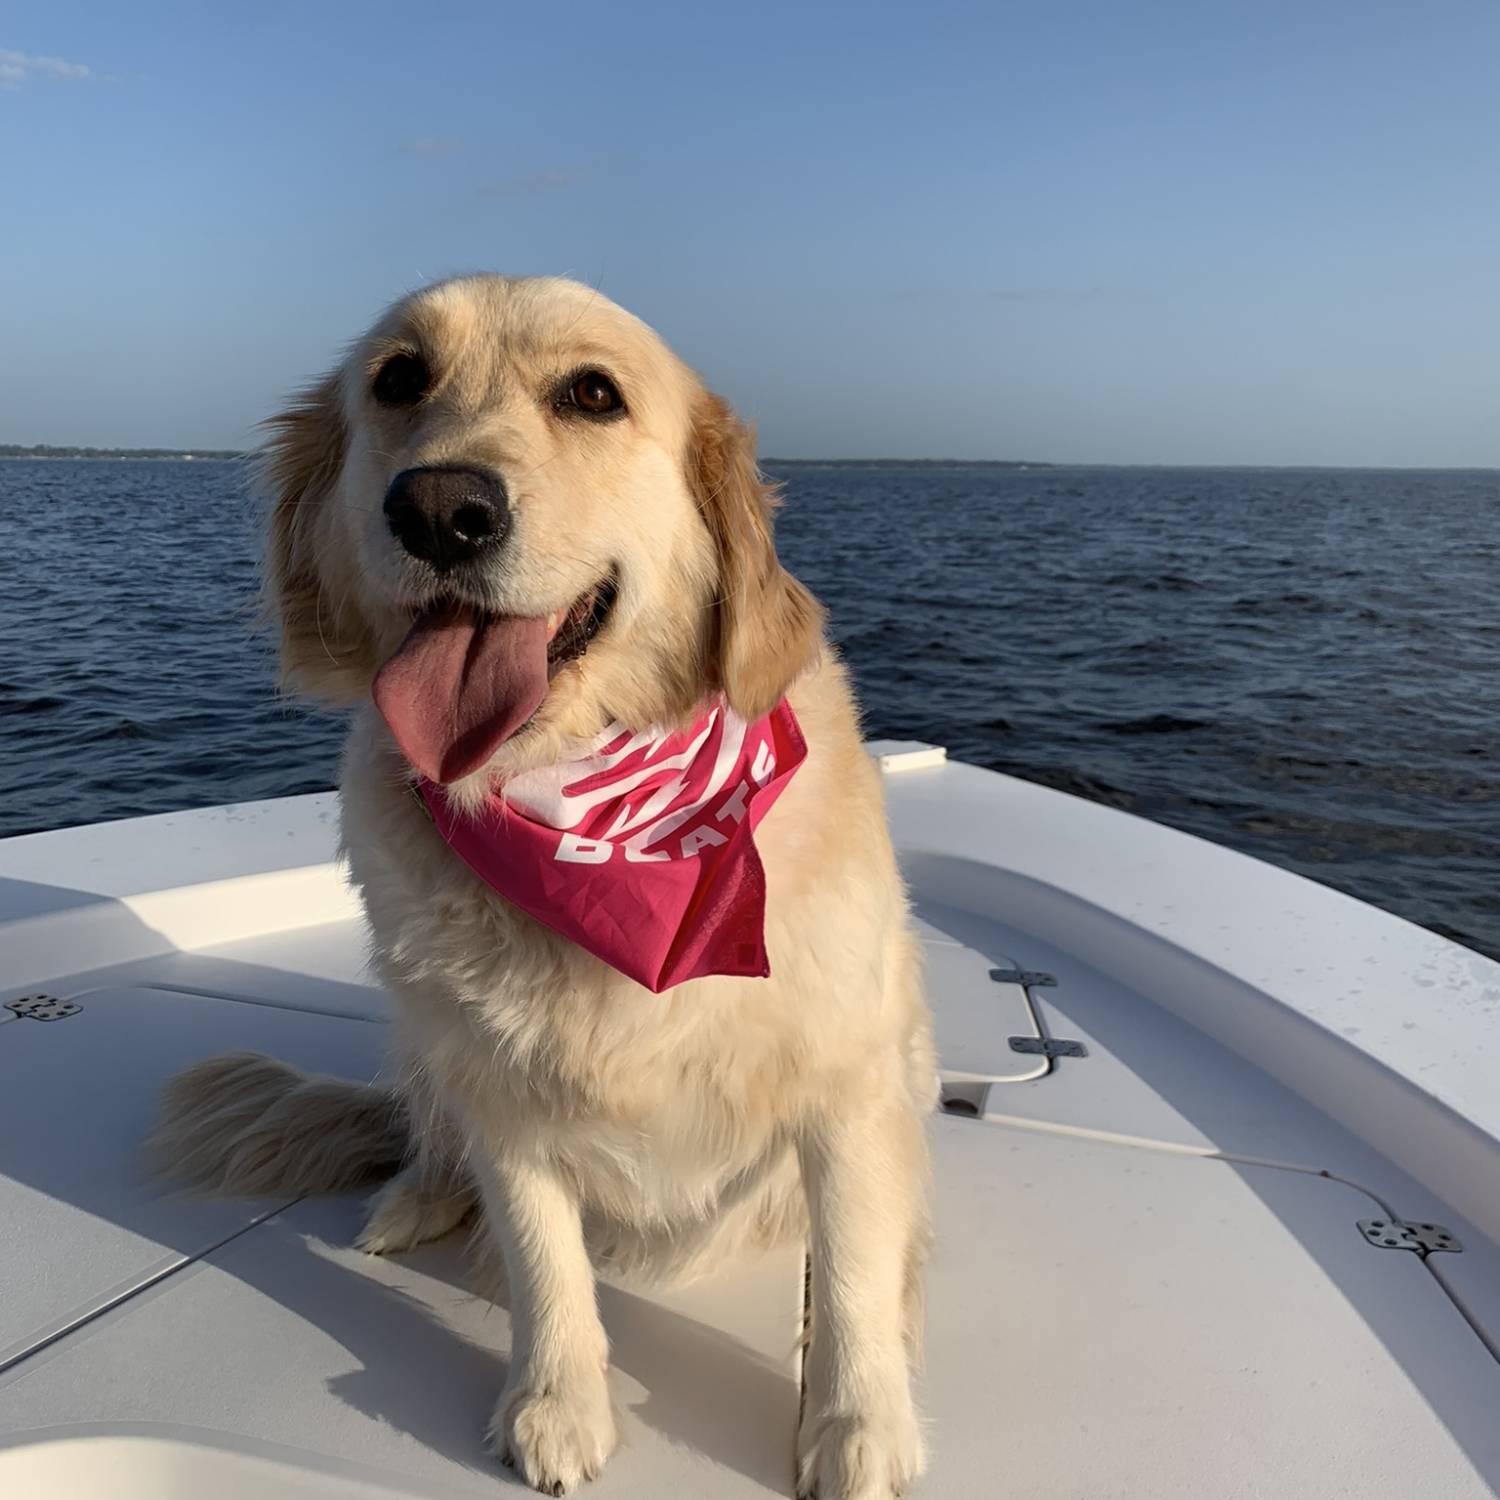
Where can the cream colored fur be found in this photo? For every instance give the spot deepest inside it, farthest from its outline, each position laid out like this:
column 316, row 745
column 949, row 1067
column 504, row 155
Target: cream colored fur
column 595, row 1124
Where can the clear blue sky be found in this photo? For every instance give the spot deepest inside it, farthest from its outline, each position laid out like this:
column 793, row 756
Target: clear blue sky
column 1180, row 232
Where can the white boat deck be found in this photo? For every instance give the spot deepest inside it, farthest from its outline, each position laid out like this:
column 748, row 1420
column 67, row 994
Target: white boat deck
column 1149, row 1279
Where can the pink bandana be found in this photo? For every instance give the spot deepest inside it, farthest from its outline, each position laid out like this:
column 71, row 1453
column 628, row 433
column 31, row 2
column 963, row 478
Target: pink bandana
column 641, row 851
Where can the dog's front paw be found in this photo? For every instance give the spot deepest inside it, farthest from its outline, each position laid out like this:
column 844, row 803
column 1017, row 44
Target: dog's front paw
column 859, row 1455
column 555, row 1434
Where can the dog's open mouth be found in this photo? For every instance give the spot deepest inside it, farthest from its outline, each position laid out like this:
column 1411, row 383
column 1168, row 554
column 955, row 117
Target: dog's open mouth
column 574, row 630
column 464, row 681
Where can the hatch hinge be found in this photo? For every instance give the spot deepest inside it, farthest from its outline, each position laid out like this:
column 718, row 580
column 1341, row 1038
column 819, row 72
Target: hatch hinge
column 1040, row 1045
column 1398, row 1234
column 1031, row 978
column 1048, row 1046
column 43, row 1007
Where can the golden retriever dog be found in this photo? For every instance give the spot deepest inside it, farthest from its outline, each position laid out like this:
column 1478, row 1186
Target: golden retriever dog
column 607, row 514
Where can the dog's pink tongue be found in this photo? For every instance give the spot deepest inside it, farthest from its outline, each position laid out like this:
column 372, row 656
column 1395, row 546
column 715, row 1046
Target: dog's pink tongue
column 460, row 685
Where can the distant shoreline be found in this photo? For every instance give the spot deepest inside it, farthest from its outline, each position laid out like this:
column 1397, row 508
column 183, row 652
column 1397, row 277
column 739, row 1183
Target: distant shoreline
column 42, row 452
column 47, row 450
column 907, row 463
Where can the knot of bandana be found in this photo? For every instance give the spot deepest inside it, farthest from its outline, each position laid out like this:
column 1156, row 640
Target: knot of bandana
column 642, row 850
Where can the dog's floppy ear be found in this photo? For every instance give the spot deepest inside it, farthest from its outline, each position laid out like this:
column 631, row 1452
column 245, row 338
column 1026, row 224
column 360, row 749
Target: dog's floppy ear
column 769, row 628
column 324, row 649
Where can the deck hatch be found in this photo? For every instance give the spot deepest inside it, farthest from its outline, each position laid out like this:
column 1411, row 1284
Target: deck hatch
column 974, row 1018
column 83, row 1223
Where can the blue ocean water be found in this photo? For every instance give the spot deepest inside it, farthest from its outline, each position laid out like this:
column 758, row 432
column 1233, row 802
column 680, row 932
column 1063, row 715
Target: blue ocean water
column 1303, row 664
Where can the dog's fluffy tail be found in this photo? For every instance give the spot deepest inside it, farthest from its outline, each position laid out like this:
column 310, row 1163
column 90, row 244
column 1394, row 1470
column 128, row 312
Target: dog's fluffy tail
column 249, row 1125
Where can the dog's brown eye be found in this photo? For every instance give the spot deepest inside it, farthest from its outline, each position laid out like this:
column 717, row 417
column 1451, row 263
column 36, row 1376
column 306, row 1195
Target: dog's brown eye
column 401, row 381
column 595, row 394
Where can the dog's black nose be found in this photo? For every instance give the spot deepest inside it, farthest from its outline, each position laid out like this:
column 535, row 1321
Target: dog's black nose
column 447, row 516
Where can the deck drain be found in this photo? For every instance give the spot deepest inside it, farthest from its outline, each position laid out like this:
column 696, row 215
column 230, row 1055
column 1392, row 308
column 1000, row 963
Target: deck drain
column 954, row 1104
column 1398, row 1234
column 43, row 1007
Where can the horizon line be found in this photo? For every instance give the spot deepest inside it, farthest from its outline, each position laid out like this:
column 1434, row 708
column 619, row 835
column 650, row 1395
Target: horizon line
column 168, row 453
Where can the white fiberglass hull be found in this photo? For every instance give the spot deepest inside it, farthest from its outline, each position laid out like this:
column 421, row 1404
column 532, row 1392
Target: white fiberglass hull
column 1178, row 1083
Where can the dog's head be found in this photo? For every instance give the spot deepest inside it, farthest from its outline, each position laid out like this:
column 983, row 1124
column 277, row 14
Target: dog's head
column 516, row 516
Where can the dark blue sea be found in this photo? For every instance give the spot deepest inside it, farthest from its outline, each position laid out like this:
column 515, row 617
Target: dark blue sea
column 1303, row 664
